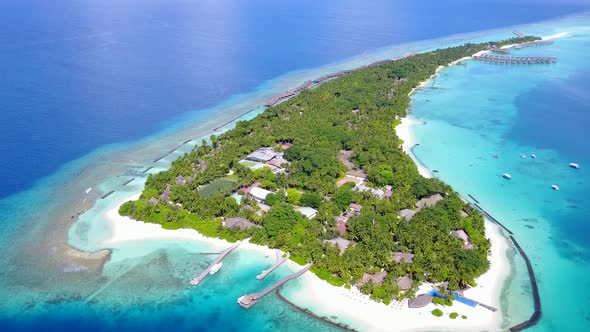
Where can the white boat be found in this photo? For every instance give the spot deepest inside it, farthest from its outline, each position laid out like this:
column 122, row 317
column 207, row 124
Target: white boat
column 555, row 187
column 533, row 156
column 506, row 176
column 574, row 165
column 215, row 268
column 522, row 156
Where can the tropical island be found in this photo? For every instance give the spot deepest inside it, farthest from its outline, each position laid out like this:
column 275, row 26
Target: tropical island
column 323, row 177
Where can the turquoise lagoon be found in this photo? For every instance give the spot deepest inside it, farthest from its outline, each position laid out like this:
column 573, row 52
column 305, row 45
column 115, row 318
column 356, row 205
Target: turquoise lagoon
column 473, row 111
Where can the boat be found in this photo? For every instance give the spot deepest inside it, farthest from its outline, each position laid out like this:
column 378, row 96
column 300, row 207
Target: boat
column 574, row 165
column 215, row 268
column 555, row 187
column 522, row 156
column 506, row 176
column 533, row 156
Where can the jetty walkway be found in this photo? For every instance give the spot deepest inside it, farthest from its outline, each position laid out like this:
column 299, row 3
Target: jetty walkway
column 196, row 280
column 280, row 260
column 513, row 59
column 249, row 300
column 534, row 43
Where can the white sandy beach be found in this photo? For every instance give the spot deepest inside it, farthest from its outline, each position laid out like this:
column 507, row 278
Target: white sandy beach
column 360, row 312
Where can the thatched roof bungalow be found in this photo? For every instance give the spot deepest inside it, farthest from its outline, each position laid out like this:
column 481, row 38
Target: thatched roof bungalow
column 376, row 278
column 420, row 301
column 398, row 257
column 429, row 201
column 341, row 243
column 405, row 282
column 237, row 222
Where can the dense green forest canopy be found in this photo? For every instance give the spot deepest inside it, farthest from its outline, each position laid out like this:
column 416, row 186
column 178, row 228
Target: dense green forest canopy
column 356, row 113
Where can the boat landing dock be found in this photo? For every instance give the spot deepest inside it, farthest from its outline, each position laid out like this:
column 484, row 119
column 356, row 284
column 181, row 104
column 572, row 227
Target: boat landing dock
column 197, row 280
column 280, row 260
column 249, row 300
column 514, row 60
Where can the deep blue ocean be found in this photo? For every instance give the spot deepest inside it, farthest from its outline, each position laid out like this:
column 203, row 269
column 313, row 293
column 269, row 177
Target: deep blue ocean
column 82, row 80
column 77, row 75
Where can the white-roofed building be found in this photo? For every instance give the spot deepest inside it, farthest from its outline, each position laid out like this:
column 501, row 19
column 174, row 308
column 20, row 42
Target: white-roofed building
column 259, row 194
column 262, row 155
column 308, row 212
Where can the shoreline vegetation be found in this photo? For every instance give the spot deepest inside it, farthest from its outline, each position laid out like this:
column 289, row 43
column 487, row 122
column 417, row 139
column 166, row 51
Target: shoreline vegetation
column 344, row 193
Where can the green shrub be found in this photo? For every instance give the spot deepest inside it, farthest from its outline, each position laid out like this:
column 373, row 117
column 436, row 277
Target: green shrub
column 437, row 312
column 438, row 300
column 347, row 286
column 453, row 315
column 464, row 317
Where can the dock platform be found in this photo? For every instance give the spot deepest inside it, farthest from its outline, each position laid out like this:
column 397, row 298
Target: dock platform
column 249, row 300
column 197, row 280
column 513, row 59
column 280, row 260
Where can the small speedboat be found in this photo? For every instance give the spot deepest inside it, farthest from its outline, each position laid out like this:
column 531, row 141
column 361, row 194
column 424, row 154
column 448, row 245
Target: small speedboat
column 506, row 176
column 533, row 156
column 574, row 165
column 555, row 187
column 522, row 156
column 215, row 268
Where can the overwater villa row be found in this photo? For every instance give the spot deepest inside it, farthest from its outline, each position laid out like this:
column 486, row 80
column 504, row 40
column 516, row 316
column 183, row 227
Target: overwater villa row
column 514, row 60
column 534, row 43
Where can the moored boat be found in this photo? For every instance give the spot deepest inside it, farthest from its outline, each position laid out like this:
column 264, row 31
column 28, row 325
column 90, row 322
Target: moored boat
column 574, row 165
column 506, row 176
column 555, row 187
column 215, row 268
column 533, row 156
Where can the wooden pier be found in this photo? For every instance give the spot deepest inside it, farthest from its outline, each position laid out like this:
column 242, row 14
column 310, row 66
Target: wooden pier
column 513, row 59
column 534, row 43
column 197, row 280
column 280, row 260
column 249, row 300
column 499, row 50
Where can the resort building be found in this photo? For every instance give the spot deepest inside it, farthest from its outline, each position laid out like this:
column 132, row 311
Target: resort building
column 341, row 243
column 420, row 301
column 182, row 180
column 429, row 201
column 165, row 196
column 462, row 235
column 259, row 194
column 399, row 257
column 407, row 214
column 341, row 227
column 355, row 208
column 262, row 155
column 376, row 278
column 237, row 222
column 308, row 212
column 405, row 283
